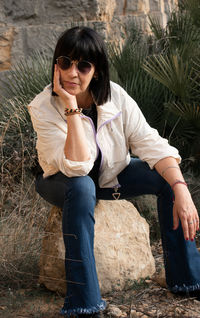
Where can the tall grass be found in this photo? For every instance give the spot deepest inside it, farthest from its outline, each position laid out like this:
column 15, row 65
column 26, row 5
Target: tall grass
column 22, row 228
column 23, row 214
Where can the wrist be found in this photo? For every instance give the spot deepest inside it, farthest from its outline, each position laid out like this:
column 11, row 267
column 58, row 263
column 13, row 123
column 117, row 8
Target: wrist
column 72, row 111
column 178, row 184
column 70, row 103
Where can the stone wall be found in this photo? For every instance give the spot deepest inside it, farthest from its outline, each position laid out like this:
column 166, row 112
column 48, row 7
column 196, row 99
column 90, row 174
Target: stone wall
column 26, row 25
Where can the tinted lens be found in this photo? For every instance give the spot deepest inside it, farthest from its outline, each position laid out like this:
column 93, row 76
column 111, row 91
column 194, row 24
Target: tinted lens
column 84, row 67
column 64, row 62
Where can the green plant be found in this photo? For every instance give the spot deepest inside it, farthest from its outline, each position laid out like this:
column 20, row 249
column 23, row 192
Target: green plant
column 161, row 72
column 177, row 67
column 127, row 62
column 137, row 285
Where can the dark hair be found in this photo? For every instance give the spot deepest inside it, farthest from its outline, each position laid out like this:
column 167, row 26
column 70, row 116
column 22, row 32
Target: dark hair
column 85, row 43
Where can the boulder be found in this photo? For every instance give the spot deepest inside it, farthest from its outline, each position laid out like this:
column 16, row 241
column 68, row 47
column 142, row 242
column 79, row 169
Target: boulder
column 122, row 248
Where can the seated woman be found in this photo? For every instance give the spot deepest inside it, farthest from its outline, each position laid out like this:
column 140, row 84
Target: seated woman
column 85, row 127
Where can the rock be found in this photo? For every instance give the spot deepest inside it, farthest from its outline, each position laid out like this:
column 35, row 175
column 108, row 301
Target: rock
column 114, row 311
column 18, row 10
column 34, row 21
column 105, row 11
column 52, row 270
column 6, row 39
column 160, row 278
column 133, row 313
column 122, row 248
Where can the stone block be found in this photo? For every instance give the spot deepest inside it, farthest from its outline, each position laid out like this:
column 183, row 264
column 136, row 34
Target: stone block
column 122, row 248
column 155, row 5
column 18, row 50
column 124, row 7
column 170, row 5
column 6, row 39
column 20, row 9
column 105, row 10
column 43, row 39
column 68, row 11
column 119, row 7
column 35, row 23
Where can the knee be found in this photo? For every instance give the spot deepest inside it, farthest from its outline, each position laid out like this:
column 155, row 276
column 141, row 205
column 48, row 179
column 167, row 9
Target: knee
column 80, row 200
column 81, row 187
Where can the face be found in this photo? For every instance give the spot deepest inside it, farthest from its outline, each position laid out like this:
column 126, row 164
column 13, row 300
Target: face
column 76, row 78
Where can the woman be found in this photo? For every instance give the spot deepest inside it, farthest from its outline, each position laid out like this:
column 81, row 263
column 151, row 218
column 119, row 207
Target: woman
column 85, row 156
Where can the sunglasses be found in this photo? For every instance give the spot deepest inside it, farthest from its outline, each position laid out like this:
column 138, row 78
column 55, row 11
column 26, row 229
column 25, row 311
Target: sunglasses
column 64, row 62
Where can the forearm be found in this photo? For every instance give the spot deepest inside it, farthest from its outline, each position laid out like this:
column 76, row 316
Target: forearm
column 169, row 169
column 184, row 209
column 76, row 147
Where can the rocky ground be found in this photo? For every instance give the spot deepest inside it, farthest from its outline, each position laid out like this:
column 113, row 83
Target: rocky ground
column 147, row 298
column 150, row 298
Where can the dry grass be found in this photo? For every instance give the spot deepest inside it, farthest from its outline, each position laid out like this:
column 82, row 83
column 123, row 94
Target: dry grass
column 22, row 222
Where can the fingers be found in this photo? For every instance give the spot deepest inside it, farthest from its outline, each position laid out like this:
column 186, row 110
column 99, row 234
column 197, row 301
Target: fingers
column 175, row 220
column 189, row 222
column 192, row 229
column 197, row 222
column 68, row 98
column 56, row 79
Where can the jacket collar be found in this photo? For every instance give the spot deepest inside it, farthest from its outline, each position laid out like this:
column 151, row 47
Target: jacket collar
column 107, row 111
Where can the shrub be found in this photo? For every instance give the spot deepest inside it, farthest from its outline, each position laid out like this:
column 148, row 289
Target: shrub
column 162, row 73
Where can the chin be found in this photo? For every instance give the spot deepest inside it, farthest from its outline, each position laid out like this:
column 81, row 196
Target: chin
column 70, row 91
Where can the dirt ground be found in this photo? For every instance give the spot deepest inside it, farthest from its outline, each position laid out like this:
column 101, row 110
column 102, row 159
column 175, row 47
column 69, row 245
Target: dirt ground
column 147, row 298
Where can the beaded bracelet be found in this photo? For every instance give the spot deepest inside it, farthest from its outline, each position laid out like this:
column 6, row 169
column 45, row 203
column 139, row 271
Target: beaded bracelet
column 178, row 181
column 72, row 111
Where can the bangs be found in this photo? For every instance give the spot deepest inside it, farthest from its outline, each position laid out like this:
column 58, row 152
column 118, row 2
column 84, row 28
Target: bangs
column 79, row 47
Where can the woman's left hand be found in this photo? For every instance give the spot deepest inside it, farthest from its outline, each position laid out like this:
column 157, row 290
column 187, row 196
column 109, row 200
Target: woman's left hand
column 185, row 211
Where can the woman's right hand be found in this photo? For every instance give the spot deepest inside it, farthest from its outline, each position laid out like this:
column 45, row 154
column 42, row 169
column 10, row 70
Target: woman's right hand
column 76, row 147
column 70, row 100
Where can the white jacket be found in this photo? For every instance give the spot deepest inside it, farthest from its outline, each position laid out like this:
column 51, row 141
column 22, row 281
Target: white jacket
column 121, row 126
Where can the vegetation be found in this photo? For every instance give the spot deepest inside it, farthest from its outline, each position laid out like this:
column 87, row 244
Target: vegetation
column 162, row 73
column 23, row 83
column 22, row 214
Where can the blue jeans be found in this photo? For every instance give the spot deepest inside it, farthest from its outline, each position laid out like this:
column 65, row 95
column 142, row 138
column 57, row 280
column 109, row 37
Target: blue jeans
column 77, row 197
